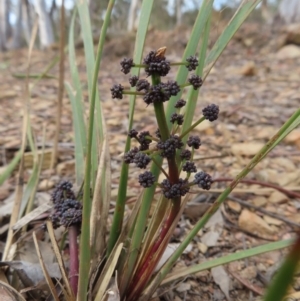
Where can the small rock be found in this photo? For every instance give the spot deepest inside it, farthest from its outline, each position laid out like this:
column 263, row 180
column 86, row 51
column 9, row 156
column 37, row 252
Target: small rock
column 4, row 192
column 66, row 168
column 202, row 247
column 272, row 221
column 246, row 149
column 278, row 198
column 293, row 137
column 249, row 272
column 234, row 206
column 210, row 238
column 259, row 201
column 248, row 69
column 45, row 185
column 251, row 222
column 288, row 52
column 292, row 33
column 183, row 287
column 261, row 267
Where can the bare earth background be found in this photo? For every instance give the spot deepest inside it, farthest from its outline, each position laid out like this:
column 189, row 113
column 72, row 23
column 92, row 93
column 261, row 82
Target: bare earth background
column 256, row 85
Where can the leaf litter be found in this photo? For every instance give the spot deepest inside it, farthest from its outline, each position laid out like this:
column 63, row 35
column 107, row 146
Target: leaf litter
column 256, row 86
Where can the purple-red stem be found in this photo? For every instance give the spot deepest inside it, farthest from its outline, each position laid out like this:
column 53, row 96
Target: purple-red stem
column 145, row 270
column 74, row 263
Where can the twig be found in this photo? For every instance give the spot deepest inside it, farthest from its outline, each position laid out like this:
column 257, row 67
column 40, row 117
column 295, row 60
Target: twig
column 247, row 283
column 289, row 193
column 264, row 211
column 61, row 84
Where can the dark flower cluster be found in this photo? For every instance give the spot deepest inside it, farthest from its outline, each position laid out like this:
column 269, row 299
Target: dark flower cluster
column 180, row 103
column 194, row 141
column 156, row 94
column 133, row 80
column 67, row 210
column 176, row 190
column 129, row 156
column 142, row 84
column 144, row 140
column 192, row 63
column 189, row 166
column 146, row 179
column 178, row 118
column 185, row 154
column 161, row 92
column 168, row 147
column 211, row 112
column 203, row 180
column 126, row 65
column 156, row 64
column 117, row 91
column 196, row 81
column 141, row 160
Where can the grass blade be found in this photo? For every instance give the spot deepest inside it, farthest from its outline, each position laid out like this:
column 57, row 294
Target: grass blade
column 77, row 107
column 245, row 8
column 191, row 48
column 78, row 125
column 10, row 167
column 184, row 272
column 92, row 143
column 100, row 205
column 285, row 275
column 121, row 199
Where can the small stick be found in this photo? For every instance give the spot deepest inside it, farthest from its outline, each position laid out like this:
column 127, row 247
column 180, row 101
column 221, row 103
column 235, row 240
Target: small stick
column 289, row 193
column 264, row 211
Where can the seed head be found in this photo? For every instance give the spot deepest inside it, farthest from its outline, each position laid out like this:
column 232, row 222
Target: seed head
column 189, row 167
column 171, row 88
column 193, row 63
column 144, row 141
column 133, row 80
column 211, row 112
column 194, row 141
column 141, row 160
column 146, row 179
column 62, row 191
column 156, row 64
column 176, row 190
column 178, row 118
column 129, row 156
column 180, row 103
column 126, row 65
column 168, row 147
column 203, row 180
column 156, row 94
column 116, row 91
column 133, row 133
column 185, row 154
column 71, row 216
column 157, row 134
column 196, row 81
column 142, row 84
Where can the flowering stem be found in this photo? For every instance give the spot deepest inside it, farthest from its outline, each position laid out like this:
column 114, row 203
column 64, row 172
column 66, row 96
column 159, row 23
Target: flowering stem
column 139, row 65
column 158, row 165
column 179, row 64
column 144, row 272
column 192, row 127
column 74, row 264
column 185, row 85
column 155, row 251
column 127, row 92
